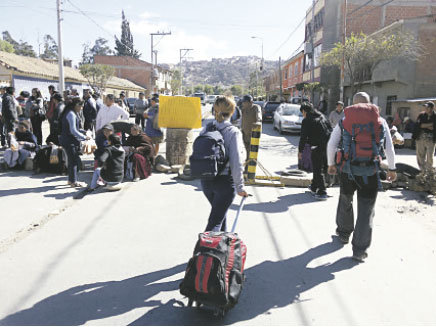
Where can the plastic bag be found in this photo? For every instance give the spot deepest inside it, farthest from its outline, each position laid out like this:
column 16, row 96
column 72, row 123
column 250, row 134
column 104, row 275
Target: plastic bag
column 54, row 158
column 89, row 146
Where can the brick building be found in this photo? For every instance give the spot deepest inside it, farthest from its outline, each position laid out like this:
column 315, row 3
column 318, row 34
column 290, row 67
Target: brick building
column 362, row 16
column 138, row 71
column 292, row 71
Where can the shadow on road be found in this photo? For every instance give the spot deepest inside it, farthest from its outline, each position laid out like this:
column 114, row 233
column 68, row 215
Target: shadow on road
column 282, row 204
column 269, row 285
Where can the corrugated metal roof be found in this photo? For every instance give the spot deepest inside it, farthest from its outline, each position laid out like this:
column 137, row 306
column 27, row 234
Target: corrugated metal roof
column 415, row 100
column 39, row 68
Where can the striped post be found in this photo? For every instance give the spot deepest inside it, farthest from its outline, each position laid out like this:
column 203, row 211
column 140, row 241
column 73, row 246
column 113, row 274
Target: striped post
column 254, row 150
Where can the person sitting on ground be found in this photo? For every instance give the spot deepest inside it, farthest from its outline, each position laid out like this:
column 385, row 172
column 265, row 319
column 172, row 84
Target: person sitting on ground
column 141, row 153
column 110, row 169
column 151, row 127
column 101, row 140
column 23, row 145
column 110, row 112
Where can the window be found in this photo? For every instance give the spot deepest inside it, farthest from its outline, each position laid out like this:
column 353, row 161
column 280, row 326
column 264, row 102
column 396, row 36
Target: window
column 317, row 54
column 308, row 62
column 297, row 68
column 286, row 74
column 389, row 101
column 290, row 71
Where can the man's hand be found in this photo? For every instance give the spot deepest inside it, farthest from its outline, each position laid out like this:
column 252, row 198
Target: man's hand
column 145, row 115
column 332, row 170
column 391, row 176
column 300, row 156
column 243, row 194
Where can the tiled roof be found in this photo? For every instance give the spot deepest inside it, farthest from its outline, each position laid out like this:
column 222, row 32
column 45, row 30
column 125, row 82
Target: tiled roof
column 39, row 68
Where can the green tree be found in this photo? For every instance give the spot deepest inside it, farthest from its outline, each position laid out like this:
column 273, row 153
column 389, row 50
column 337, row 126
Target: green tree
column 176, row 81
column 199, row 88
column 50, row 48
column 362, row 54
column 124, row 46
column 218, row 89
column 20, row 48
column 100, row 48
column 6, row 46
column 97, row 75
column 208, row 89
column 237, row 90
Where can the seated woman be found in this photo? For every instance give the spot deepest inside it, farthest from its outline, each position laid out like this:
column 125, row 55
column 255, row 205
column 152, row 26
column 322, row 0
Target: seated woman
column 23, row 146
column 141, row 153
column 111, row 165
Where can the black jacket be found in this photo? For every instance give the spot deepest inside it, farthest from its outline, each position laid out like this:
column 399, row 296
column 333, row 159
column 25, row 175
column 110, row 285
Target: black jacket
column 423, row 118
column 312, row 130
column 89, row 110
column 112, row 160
column 30, row 139
column 9, row 108
column 57, row 116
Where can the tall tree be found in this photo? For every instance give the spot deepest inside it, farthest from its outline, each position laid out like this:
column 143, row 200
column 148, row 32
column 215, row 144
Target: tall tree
column 124, row 46
column 362, row 54
column 21, row 48
column 50, row 48
column 100, row 48
column 97, row 75
column 237, row 90
column 208, row 89
column 6, row 46
column 176, row 81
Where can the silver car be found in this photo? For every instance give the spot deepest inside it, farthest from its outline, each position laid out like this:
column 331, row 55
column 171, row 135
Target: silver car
column 288, row 118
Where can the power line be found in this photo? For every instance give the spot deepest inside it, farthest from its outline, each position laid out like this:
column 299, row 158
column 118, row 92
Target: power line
column 289, row 36
column 362, row 6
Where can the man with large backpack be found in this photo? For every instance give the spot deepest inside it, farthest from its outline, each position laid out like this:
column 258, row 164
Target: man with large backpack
column 355, row 149
column 315, row 131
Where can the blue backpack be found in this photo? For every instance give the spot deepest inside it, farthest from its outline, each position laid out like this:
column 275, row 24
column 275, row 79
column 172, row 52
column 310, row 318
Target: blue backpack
column 209, row 156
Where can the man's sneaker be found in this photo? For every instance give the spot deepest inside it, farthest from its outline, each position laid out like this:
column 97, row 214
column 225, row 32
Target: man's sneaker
column 310, row 190
column 321, row 196
column 343, row 238
column 360, row 257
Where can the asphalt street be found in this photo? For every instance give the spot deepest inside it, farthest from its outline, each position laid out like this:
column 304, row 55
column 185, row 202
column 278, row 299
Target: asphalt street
column 118, row 258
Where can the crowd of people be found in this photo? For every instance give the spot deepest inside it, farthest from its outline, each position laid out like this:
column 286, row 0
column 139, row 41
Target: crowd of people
column 121, row 149
column 350, row 144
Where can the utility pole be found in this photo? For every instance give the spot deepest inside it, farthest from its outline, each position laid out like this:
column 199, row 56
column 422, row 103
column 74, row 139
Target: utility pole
column 344, row 36
column 280, row 78
column 60, row 56
column 312, row 25
column 181, row 67
column 151, row 58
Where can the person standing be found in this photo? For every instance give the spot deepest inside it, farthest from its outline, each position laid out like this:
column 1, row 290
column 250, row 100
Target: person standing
column 221, row 191
column 337, row 114
column 110, row 112
column 55, row 121
column 9, row 113
column 98, row 101
column 425, row 137
column 358, row 175
column 152, row 129
column 2, row 131
column 124, row 104
column 89, row 111
column 315, row 131
column 251, row 114
column 35, row 108
column 70, row 139
column 141, row 104
column 51, row 106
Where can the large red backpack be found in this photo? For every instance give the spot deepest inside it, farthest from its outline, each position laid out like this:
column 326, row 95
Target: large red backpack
column 362, row 138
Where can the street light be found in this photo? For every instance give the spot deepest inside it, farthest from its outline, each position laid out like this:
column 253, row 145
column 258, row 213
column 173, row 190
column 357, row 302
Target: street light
column 261, row 66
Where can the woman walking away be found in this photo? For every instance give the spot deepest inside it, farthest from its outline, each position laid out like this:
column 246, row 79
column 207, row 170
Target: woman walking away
column 70, row 138
column 35, row 111
column 221, row 190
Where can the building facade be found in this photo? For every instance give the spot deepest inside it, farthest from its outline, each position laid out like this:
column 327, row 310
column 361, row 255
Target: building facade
column 292, row 71
column 139, row 72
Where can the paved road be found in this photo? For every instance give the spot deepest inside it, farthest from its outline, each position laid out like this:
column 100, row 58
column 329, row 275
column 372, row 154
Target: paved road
column 118, row 258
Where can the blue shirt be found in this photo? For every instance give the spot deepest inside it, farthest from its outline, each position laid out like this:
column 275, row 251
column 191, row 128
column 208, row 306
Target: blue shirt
column 149, row 129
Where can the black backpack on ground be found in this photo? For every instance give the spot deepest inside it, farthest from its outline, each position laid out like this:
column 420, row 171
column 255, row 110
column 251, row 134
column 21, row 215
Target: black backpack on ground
column 209, row 156
column 41, row 162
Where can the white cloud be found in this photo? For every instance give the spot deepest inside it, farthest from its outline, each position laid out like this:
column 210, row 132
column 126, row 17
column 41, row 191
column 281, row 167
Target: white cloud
column 148, row 15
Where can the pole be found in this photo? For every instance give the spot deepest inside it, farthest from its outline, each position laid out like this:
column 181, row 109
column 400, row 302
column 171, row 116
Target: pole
column 60, row 56
column 181, row 67
column 152, row 67
column 257, row 82
column 312, row 72
column 344, row 36
column 280, row 78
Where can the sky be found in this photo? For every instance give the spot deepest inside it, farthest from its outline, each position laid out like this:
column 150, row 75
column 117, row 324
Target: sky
column 214, row 29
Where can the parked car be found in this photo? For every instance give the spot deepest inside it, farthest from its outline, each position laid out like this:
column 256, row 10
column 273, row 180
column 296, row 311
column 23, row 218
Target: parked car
column 288, row 118
column 211, row 98
column 202, row 97
column 261, row 104
column 297, row 100
column 269, row 109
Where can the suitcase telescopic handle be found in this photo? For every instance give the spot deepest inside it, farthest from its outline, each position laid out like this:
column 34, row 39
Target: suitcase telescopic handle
column 241, row 206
